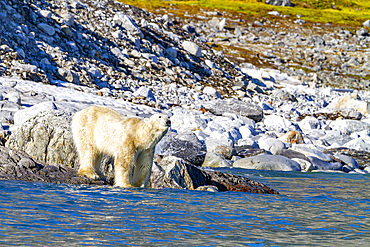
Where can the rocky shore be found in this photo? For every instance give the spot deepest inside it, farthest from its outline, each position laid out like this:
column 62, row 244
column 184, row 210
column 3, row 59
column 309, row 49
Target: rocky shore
column 57, row 57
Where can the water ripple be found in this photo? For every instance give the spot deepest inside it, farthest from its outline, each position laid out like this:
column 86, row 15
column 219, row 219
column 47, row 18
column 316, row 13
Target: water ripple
column 312, row 210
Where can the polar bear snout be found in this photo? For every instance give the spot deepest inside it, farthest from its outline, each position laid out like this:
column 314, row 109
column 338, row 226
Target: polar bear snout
column 164, row 119
column 168, row 122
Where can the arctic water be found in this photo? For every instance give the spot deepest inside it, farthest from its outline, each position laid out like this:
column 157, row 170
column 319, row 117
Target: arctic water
column 312, row 209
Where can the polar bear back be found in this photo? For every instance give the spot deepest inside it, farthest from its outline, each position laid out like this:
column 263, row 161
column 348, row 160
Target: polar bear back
column 97, row 125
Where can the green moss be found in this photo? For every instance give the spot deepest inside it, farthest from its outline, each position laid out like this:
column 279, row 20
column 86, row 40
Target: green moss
column 344, row 12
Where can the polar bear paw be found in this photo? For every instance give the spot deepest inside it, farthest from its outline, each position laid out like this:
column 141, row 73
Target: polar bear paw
column 90, row 174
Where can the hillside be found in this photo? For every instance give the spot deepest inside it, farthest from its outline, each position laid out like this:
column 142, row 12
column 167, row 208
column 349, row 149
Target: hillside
column 317, row 41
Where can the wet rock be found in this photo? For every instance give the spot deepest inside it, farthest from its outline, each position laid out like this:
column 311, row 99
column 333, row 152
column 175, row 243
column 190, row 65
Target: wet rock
column 173, row 172
column 323, row 165
column 18, row 165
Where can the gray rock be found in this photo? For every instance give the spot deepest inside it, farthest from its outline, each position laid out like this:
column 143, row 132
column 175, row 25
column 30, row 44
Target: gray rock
column 9, row 106
column 349, row 161
column 309, row 124
column 362, row 32
column 47, row 137
column 183, row 145
column 268, row 162
column 173, row 172
column 272, row 145
column 23, row 115
column 172, row 52
column 316, row 40
column 235, row 106
column 349, row 126
column 358, row 144
column 215, row 160
column 211, row 92
column 284, row 3
column 188, row 28
column 20, row 53
column 14, row 97
column 18, row 165
column 145, row 93
column 122, row 19
column 46, row 29
column 68, row 18
column 46, row 13
column 192, row 48
column 221, row 24
column 366, row 23
column 67, row 75
column 323, row 165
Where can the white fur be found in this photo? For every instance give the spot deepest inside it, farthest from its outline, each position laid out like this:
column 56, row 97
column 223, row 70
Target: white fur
column 100, row 130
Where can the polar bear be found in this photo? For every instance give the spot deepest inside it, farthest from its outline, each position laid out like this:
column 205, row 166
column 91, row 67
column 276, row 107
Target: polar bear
column 100, row 130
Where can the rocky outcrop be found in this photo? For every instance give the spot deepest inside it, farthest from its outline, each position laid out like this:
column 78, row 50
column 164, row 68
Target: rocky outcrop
column 18, row 165
column 47, row 137
column 171, row 172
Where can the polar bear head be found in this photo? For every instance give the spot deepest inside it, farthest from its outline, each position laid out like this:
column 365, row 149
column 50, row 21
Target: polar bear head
column 154, row 128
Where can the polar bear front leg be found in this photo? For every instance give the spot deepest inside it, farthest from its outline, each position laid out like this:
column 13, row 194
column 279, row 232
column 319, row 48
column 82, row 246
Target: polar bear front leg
column 143, row 168
column 123, row 167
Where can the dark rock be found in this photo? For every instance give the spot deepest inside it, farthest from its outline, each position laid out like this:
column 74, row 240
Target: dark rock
column 362, row 157
column 172, row 172
column 293, row 154
column 17, row 165
column 250, row 152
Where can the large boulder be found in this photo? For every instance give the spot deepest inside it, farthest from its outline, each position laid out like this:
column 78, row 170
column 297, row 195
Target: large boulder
column 182, row 145
column 173, row 172
column 242, row 108
column 46, row 136
column 268, row 162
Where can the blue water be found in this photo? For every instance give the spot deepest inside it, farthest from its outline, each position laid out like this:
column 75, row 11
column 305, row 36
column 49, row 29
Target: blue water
column 313, row 209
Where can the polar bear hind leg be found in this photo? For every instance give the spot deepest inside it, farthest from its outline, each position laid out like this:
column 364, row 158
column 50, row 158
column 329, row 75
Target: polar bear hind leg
column 90, row 163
